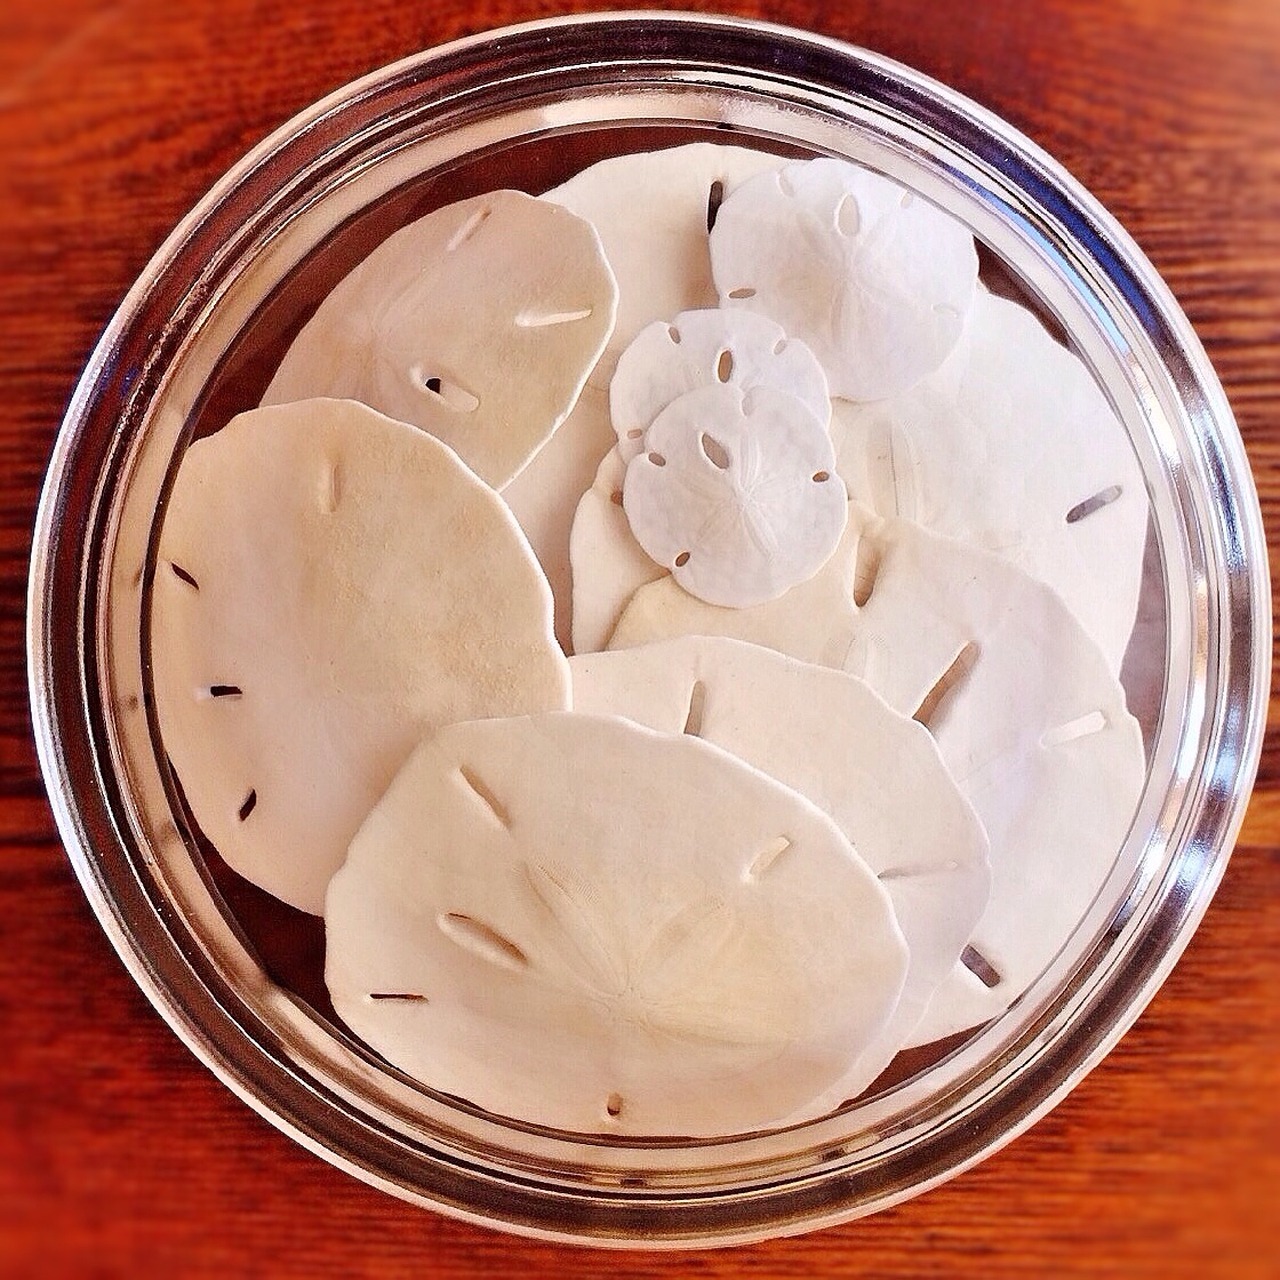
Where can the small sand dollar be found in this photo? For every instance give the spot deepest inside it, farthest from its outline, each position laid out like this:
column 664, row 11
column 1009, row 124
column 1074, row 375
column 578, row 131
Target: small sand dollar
column 737, row 494
column 330, row 586
column 875, row 279
column 478, row 323
column 574, row 921
column 700, row 349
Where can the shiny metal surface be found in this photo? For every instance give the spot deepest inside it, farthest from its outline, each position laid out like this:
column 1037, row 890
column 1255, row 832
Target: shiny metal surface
column 506, row 108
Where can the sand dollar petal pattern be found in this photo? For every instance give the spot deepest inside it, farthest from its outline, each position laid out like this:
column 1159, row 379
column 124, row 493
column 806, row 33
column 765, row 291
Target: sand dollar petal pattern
column 736, row 494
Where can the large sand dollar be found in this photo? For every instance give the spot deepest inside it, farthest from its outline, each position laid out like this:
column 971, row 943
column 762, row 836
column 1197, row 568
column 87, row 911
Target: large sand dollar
column 572, row 920
column 653, row 211
column 330, row 586
column 696, row 349
column 1012, row 446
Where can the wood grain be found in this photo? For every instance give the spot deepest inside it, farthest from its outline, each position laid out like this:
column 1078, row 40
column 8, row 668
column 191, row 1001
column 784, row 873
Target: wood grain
column 119, row 1154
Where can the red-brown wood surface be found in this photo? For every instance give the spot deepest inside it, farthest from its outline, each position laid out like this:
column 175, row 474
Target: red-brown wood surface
column 119, row 1154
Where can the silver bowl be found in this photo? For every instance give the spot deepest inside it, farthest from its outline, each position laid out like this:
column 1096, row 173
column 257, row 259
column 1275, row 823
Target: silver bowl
column 195, row 341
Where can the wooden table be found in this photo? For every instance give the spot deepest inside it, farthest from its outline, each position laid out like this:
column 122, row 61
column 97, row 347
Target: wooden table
column 120, row 1155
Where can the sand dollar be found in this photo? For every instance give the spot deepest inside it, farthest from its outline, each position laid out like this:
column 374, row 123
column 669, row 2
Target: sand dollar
column 827, row 735
column 1012, row 446
column 478, row 323
column 574, row 921
column 703, row 348
column 653, row 211
column 1025, row 709
column 330, row 586
column 736, row 493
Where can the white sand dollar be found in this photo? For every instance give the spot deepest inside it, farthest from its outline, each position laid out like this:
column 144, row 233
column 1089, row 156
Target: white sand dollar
column 736, row 493
column 875, row 279
column 700, row 349
column 608, row 565
column 330, row 586
column 653, row 210
column 1025, row 709
column 478, row 323
column 1012, row 446
column 825, row 734
column 577, row 922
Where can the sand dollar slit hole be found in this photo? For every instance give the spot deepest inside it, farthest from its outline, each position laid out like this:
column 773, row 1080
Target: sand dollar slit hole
column 482, row 940
column 450, row 394
column 714, row 451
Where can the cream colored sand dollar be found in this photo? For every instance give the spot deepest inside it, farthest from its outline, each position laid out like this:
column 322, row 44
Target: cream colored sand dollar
column 330, row 586
column 1012, row 446
column 736, row 493
column 608, row 564
column 825, row 734
column 478, row 323
column 703, row 348
column 1025, row 710
column 653, row 210
column 876, row 280
column 545, row 496
column 575, row 921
